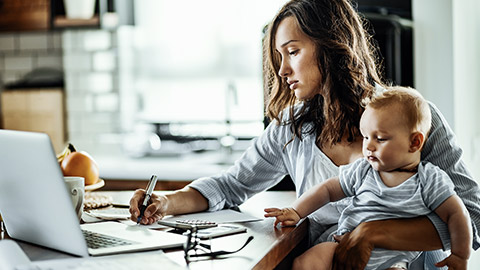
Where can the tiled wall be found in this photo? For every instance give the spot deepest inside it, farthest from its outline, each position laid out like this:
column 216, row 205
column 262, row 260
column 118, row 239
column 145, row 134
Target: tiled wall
column 22, row 52
column 88, row 59
column 91, row 77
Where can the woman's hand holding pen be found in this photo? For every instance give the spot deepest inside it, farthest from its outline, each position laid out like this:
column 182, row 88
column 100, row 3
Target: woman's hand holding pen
column 155, row 211
column 185, row 200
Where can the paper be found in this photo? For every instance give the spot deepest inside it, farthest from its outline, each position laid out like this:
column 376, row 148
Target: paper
column 110, row 213
column 144, row 260
column 222, row 216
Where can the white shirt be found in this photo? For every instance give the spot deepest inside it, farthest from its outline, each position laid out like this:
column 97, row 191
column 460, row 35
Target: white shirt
column 267, row 161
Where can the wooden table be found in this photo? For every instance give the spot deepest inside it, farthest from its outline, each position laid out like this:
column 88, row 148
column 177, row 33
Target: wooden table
column 271, row 248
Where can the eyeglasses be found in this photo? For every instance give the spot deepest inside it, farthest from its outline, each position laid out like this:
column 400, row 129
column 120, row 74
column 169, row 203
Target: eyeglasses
column 194, row 249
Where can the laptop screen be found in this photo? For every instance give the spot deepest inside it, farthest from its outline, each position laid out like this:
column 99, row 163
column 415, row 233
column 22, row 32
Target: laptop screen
column 34, row 200
column 36, row 205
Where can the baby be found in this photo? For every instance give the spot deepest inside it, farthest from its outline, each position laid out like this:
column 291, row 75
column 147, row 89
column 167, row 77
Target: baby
column 389, row 182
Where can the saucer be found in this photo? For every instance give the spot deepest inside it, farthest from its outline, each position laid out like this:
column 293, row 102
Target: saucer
column 97, row 185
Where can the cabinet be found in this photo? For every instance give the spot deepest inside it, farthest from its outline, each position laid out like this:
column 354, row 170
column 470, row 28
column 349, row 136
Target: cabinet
column 24, row 15
column 37, row 15
column 108, row 14
column 39, row 110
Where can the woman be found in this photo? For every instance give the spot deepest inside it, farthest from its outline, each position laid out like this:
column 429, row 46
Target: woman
column 320, row 65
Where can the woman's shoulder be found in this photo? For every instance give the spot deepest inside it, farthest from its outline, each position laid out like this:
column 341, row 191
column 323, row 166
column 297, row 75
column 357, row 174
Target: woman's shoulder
column 441, row 139
column 438, row 120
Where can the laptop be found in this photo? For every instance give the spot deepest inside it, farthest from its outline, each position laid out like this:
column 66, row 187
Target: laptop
column 36, row 207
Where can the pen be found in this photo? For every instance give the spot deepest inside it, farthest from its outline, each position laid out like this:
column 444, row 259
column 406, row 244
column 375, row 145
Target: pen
column 148, row 195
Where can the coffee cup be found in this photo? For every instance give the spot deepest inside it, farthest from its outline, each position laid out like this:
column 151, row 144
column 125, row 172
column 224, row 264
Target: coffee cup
column 76, row 189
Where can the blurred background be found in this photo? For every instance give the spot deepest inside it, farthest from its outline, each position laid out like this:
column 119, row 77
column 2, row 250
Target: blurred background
column 175, row 87
column 159, row 81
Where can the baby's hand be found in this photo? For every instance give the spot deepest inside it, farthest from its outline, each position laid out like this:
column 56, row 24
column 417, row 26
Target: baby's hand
column 453, row 262
column 284, row 216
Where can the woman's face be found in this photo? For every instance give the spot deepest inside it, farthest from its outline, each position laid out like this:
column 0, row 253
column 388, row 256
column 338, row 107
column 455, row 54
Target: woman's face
column 299, row 63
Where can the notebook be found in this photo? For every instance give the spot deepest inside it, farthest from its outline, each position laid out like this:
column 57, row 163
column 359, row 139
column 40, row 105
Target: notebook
column 36, row 207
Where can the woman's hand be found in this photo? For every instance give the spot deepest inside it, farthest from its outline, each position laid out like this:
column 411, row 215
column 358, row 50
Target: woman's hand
column 155, row 211
column 285, row 216
column 353, row 251
column 453, row 262
column 354, row 248
column 185, row 200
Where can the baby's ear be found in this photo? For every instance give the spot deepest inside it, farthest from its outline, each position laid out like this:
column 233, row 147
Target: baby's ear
column 416, row 141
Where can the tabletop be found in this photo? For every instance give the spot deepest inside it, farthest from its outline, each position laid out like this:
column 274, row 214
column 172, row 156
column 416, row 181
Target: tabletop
column 272, row 247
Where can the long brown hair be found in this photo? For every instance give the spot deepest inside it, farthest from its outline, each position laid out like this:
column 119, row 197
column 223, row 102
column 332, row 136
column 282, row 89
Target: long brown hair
column 346, row 59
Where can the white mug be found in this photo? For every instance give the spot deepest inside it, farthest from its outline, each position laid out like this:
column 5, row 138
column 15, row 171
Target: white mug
column 76, row 189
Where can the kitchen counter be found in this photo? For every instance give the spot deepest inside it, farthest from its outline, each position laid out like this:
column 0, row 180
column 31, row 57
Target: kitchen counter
column 186, row 167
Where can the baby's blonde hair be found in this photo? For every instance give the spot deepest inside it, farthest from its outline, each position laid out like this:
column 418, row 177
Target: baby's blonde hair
column 415, row 108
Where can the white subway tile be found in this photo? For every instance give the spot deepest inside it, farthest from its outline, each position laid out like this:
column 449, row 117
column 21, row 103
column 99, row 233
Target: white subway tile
column 100, row 82
column 103, row 122
column 104, row 61
column 77, row 61
column 69, row 40
column 55, row 41
column 76, row 103
column 114, row 39
column 52, row 60
column 10, row 76
column 20, row 63
column 79, row 123
column 77, row 83
column 106, row 103
column 88, row 103
column 7, row 42
column 70, row 82
column 73, row 124
column 96, row 40
column 90, row 123
column 33, row 41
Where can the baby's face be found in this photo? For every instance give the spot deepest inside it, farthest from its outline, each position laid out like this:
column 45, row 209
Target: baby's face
column 386, row 138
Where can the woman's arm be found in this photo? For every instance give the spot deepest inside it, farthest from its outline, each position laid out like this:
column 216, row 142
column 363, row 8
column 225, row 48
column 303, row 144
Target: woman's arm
column 260, row 167
column 442, row 150
column 354, row 249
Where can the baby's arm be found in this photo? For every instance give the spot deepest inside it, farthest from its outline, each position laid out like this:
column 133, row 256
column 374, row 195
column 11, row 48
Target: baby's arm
column 316, row 197
column 286, row 216
column 454, row 213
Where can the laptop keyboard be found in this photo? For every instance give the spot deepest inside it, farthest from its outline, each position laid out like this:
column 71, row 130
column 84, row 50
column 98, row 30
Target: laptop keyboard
column 97, row 240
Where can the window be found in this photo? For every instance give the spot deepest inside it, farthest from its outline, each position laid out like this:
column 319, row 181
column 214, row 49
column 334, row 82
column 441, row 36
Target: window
column 198, row 64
